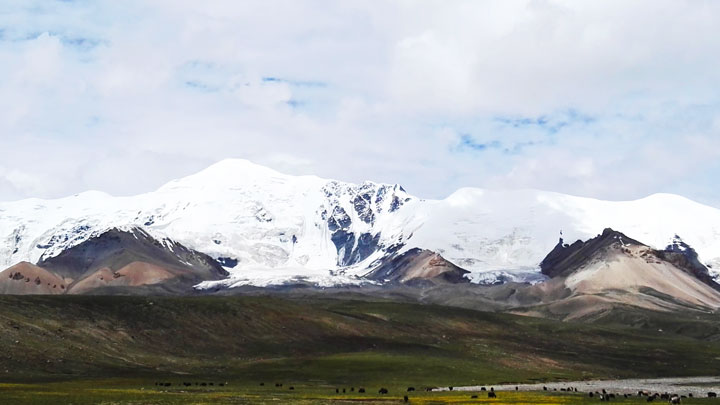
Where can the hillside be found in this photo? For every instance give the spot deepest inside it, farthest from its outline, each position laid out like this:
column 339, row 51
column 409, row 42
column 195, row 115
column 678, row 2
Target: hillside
column 331, row 341
column 27, row 278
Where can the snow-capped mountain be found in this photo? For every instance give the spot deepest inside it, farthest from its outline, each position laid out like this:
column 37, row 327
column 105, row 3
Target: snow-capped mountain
column 267, row 228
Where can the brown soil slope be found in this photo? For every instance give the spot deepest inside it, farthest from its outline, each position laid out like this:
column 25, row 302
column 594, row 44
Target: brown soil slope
column 418, row 266
column 134, row 274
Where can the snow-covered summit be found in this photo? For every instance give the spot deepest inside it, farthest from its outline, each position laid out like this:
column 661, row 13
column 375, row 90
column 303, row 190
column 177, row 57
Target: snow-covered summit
column 229, row 174
column 266, row 227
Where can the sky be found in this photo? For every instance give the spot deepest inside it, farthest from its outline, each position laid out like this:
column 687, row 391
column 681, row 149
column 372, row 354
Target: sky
column 606, row 99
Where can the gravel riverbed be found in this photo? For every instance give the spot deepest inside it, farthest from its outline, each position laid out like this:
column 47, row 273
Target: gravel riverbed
column 698, row 386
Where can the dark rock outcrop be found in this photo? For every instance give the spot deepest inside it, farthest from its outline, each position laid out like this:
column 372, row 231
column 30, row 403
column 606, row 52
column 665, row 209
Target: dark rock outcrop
column 685, row 258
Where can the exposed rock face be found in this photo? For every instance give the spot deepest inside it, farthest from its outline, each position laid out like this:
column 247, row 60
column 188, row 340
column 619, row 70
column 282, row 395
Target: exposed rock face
column 685, row 258
column 352, row 228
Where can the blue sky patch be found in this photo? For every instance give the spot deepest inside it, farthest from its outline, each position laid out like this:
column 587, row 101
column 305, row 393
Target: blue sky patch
column 468, row 142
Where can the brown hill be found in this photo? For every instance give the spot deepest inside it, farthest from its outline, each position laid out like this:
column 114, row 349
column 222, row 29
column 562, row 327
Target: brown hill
column 134, row 274
column 418, row 267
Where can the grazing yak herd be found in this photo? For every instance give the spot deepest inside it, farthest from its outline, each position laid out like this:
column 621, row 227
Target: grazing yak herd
column 603, row 395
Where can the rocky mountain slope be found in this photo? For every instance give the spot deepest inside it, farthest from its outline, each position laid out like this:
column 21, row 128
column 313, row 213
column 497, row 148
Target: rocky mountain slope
column 268, row 228
column 594, row 276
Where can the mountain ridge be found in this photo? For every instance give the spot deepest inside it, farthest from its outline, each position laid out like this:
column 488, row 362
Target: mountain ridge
column 586, row 280
column 116, row 261
column 268, row 227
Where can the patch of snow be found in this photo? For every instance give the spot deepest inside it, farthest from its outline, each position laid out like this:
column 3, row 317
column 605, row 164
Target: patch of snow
column 492, row 277
column 264, row 277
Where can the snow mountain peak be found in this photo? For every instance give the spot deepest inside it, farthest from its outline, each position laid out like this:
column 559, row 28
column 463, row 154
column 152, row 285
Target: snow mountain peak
column 267, row 227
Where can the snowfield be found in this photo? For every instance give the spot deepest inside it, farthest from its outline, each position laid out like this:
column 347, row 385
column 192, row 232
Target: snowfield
column 270, row 228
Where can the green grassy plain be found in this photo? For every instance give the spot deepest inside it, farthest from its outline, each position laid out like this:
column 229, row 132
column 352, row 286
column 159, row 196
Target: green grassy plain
column 112, row 350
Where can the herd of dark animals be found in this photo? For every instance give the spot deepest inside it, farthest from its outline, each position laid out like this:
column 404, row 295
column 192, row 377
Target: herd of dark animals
column 671, row 398
column 602, row 395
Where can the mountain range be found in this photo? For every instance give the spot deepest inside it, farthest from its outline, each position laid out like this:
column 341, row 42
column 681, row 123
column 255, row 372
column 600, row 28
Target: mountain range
column 240, row 224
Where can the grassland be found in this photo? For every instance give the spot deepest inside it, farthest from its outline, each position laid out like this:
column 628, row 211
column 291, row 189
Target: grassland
column 114, row 349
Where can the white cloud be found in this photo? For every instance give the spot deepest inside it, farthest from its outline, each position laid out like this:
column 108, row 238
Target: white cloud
column 607, row 99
